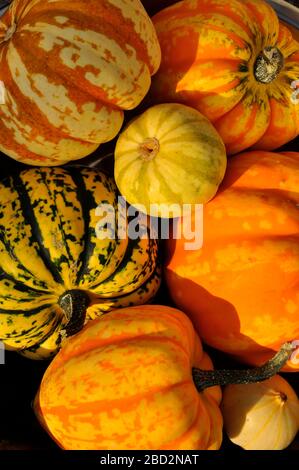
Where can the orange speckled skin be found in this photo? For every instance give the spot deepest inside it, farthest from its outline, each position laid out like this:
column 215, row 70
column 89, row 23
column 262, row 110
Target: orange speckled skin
column 241, row 289
column 125, row 382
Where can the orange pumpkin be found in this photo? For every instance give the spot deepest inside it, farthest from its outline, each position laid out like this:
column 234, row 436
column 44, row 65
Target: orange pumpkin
column 68, row 70
column 126, row 383
column 293, row 30
column 138, row 379
column 152, row 6
column 241, row 289
column 236, row 64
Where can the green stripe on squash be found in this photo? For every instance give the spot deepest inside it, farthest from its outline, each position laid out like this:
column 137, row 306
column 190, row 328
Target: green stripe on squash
column 49, row 250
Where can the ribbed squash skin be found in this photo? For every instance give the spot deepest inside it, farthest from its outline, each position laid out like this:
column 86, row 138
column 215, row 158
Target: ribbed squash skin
column 48, row 245
column 209, row 50
column 187, row 167
column 125, row 382
column 241, row 289
column 261, row 416
column 70, row 68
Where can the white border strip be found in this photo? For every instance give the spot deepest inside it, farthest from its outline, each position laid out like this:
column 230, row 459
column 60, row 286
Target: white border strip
column 286, row 11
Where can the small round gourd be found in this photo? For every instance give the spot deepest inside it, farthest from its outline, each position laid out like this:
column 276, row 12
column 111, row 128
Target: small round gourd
column 169, row 156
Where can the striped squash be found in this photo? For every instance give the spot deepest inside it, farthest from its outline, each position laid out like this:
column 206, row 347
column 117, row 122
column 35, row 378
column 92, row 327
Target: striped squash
column 69, row 68
column 152, row 6
column 169, row 156
column 59, row 265
column 294, row 31
column 235, row 63
column 125, row 382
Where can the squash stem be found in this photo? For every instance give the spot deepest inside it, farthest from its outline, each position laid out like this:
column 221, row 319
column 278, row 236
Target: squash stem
column 268, row 64
column 74, row 304
column 149, row 149
column 209, row 378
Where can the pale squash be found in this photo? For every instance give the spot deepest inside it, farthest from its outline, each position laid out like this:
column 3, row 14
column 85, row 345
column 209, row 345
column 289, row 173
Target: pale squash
column 261, row 416
column 169, row 156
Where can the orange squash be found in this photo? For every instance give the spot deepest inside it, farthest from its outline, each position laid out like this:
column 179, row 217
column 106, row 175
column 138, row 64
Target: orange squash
column 138, row 379
column 236, row 64
column 241, row 289
column 152, row 6
column 68, row 70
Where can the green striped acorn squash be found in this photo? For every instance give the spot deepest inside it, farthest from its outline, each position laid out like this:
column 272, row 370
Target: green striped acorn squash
column 55, row 272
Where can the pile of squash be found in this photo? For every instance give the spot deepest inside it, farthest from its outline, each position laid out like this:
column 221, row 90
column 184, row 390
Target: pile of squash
column 214, row 86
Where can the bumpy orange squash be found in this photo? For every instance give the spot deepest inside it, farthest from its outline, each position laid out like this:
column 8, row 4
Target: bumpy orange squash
column 241, row 288
column 126, row 383
column 235, row 63
column 138, row 379
column 68, row 70
column 169, row 156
